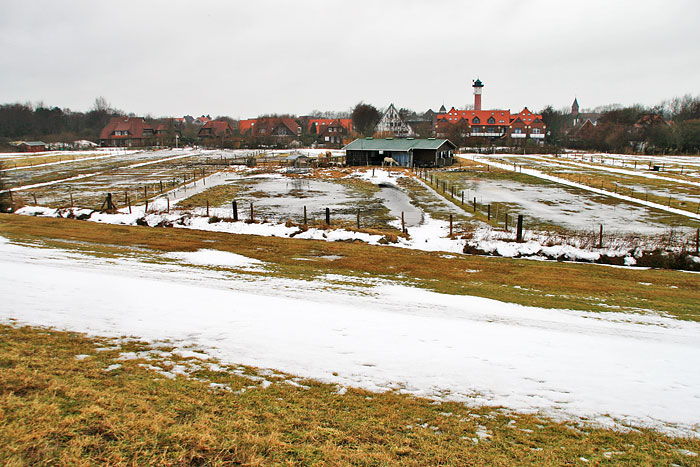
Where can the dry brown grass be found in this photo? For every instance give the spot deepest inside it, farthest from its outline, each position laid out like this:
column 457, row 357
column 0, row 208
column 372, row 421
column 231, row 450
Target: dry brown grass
column 58, row 410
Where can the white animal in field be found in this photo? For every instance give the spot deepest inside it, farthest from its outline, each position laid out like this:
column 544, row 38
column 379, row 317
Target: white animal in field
column 389, row 161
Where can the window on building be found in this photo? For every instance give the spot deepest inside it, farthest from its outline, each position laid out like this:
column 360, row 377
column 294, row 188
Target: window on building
column 517, row 131
column 476, row 120
column 491, row 120
column 535, row 131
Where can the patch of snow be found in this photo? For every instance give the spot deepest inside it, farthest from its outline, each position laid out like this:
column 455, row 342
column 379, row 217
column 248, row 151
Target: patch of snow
column 215, row 258
column 634, row 368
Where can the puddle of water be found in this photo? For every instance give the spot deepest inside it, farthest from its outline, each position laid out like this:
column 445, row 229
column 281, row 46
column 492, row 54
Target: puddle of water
column 397, row 202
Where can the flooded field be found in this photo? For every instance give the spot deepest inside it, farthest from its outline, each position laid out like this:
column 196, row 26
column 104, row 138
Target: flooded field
column 547, row 205
column 193, row 179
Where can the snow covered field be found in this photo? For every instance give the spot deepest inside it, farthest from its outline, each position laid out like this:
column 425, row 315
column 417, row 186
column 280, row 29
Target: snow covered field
column 611, row 369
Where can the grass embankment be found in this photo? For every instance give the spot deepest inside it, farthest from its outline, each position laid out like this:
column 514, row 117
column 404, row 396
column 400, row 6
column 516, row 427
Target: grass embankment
column 67, row 400
column 30, row 160
column 534, row 283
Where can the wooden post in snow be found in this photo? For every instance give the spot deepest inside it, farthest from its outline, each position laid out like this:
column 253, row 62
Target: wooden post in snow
column 358, row 219
column 328, row 216
column 462, row 197
column 168, row 199
column 207, row 208
column 519, row 232
column 128, row 202
column 450, row 225
column 403, row 223
column 600, row 241
column 252, row 213
column 146, row 209
column 305, row 215
column 506, row 222
column 234, row 205
column 475, row 204
column 161, row 185
column 71, row 198
column 34, row 194
column 488, row 215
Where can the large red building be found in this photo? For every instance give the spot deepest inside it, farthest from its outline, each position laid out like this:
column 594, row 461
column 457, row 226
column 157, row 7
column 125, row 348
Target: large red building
column 493, row 123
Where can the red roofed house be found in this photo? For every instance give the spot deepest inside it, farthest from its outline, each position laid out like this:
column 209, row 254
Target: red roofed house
column 527, row 125
column 316, row 125
column 127, row 132
column 276, row 127
column 334, row 132
column 215, row 129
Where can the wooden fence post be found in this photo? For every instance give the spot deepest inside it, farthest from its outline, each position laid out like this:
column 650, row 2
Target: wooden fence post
column 450, row 225
column 506, row 222
column 252, row 213
column 128, row 202
column 34, row 194
column 71, row 198
column 462, row 197
column 168, row 200
column 488, row 215
column 600, row 241
column 234, row 205
column 358, row 219
column 161, row 185
column 519, row 233
column 475, row 204
column 403, row 223
column 146, row 209
column 207, row 208
column 328, row 216
column 305, row 215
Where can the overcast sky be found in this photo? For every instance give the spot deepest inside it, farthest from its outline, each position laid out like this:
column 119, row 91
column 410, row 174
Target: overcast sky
column 245, row 58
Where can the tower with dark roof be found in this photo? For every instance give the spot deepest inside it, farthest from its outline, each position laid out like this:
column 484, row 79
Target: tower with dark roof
column 478, row 86
column 574, row 108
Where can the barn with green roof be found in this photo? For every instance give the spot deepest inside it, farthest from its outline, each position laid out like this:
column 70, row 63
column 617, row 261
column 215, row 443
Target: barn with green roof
column 407, row 152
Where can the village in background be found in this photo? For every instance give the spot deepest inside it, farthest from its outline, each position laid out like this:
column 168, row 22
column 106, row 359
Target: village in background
column 672, row 127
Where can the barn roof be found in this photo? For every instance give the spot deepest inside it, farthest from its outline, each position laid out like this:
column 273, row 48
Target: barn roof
column 391, row 144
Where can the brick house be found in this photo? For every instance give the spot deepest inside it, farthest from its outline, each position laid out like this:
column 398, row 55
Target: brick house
column 127, row 132
column 273, row 127
column 215, row 129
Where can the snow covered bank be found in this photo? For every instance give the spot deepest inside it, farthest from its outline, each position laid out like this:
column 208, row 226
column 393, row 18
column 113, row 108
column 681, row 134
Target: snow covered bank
column 431, row 235
column 607, row 369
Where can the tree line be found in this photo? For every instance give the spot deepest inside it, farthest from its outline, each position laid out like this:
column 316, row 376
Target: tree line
column 670, row 127
column 35, row 122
